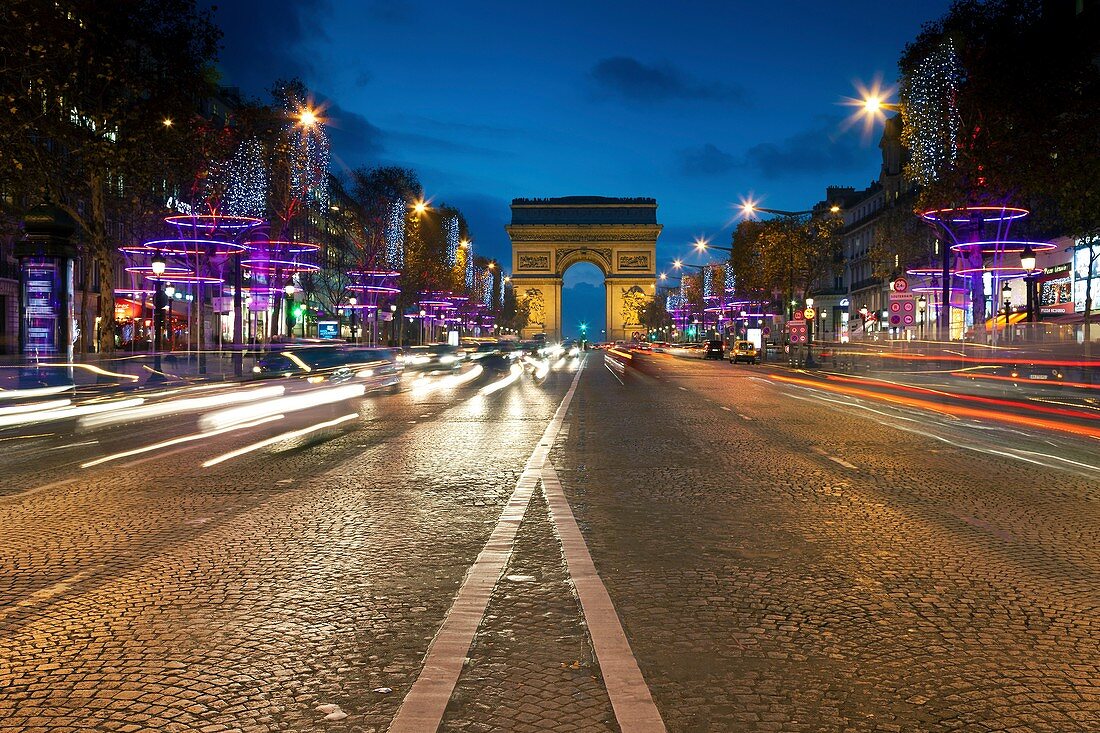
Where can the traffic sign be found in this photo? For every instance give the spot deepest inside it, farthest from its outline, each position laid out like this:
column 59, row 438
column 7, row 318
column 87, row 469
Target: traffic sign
column 798, row 332
column 900, row 285
column 809, row 313
column 766, row 331
column 799, row 316
column 903, row 310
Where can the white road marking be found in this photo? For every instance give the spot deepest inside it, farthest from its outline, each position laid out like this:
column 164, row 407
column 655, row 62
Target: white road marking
column 44, row 594
column 422, row 709
column 839, row 461
column 726, row 408
column 744, row 417
column 684, row 388
column 630, row 697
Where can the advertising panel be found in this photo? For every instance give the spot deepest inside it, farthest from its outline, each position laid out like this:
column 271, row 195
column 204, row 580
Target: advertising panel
column 41, row 306
column 1081, row 260
column 328, row 329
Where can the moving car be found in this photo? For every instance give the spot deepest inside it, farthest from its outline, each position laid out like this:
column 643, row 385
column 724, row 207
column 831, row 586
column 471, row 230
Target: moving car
column 378, row 368
column 744, row 351
column 713, row 349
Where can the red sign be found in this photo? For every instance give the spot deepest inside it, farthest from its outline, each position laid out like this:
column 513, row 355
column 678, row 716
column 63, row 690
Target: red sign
column 799, row 316
column 901, row 285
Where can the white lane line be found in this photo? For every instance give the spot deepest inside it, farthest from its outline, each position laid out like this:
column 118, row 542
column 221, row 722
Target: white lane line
column 726, row 408
column 684, row 388
column 630, row 697
column 44, row 594
column 839, row 461
column 744, row 417
column 422, row 709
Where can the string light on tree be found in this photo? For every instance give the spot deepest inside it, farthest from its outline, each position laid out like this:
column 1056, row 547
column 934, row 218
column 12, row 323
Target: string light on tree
column 394, row 234
column 246, row 181
column 931, row 115
column 451, row 233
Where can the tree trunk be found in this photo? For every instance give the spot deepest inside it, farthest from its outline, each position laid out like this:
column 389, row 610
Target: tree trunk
column 105, row 264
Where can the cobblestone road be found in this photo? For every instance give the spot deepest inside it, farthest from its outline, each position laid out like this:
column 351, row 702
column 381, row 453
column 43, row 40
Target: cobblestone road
column 789, row 565
column 778, row 562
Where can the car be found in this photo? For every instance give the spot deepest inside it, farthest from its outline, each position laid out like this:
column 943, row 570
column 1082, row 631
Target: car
column 377, row 368
column 713, row 349
column 744, row 351
column 433, row 357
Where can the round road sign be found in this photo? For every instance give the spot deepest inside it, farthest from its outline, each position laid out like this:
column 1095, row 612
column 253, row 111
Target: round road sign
column 809, row 313
column 901, row 285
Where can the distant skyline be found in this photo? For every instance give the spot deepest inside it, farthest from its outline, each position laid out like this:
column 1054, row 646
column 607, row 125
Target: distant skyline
column 695, row 104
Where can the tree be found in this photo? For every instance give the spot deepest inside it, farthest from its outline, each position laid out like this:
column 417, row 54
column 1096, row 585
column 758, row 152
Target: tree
column 514, row 312
column 990, row 124
column 785, row 256
column 100, row 100
column 654, row 314
column 900, row 239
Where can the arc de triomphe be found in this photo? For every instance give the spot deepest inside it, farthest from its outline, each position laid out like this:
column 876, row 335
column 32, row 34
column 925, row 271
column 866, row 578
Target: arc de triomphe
column 618, row 235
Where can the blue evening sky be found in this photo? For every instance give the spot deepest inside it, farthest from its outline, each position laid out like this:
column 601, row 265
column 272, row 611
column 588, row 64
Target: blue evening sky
column 694, row 103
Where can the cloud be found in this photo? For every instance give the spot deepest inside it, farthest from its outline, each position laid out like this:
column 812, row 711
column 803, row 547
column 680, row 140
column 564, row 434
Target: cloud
column 819, row 149
column 262, row 40
column 355, row 139
column 633, row 81
column 706, row 160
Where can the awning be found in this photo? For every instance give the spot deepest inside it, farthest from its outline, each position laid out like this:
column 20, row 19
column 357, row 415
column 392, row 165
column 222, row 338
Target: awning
column 1071, row 319
column 999, row 321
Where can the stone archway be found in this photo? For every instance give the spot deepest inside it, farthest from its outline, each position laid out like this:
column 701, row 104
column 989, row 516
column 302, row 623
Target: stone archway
column 617, row 235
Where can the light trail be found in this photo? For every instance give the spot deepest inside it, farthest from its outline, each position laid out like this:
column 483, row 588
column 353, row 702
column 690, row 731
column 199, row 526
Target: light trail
column 283, row 405
column 64, row 413
column 956, row 410
column 513, row 374
column 1026, row 380
column 51, row 405
column 178, row 441
column 279, row 438
column 965, row 397
column 425, row 387
column 180, row 406
column 22, row 394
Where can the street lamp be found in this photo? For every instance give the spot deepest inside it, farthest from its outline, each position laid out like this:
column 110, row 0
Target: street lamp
column 423, row 314
column 1027, row 261
column 157, row 265
column 353, row 301
column 922, row 304
column 394, row 324
column 288, row 301
column 1006, row 291
column 169, row 294
column 702, row 245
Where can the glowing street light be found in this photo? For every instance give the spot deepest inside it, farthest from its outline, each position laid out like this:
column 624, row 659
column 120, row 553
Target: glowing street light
column 167, row 122
column 307, row 117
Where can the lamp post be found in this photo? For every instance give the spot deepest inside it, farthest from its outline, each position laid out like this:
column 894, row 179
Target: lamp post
column 393, row 323
column 1027, row 262
column 288, row 303
column 1006, row 291
column 423, row 313
column 922, row 305
column 170, row 293
column 157, row 264
column 353, row 302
